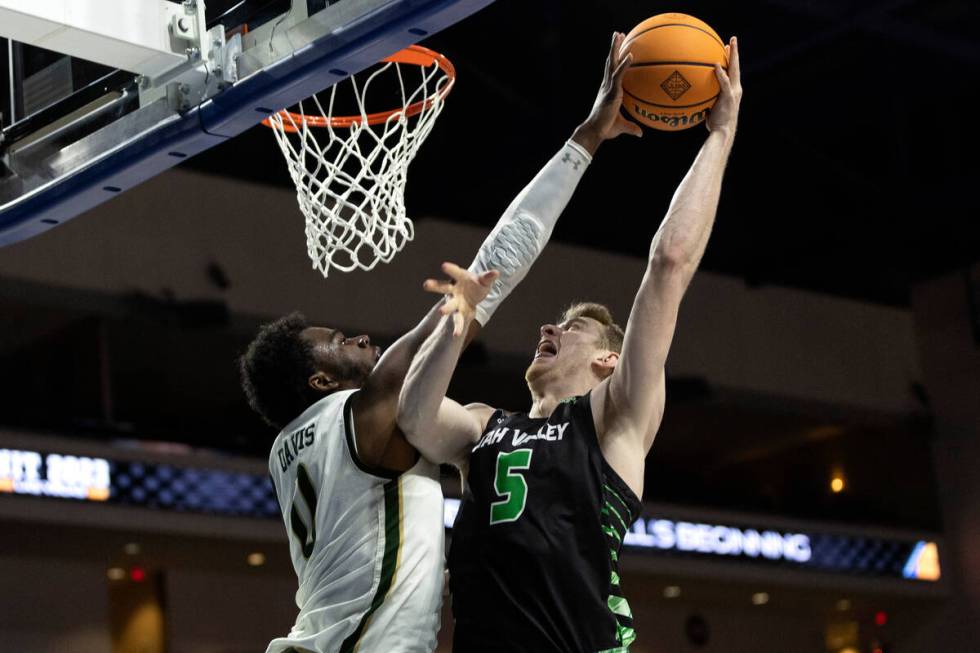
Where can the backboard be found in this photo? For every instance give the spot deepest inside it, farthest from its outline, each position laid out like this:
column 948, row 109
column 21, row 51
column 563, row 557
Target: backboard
column 99, row 96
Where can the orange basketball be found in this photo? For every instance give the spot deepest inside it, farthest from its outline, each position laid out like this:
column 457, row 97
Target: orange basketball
column 671, row 84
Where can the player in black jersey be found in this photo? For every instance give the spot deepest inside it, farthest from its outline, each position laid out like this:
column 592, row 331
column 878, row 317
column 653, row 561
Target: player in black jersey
column 549, row 494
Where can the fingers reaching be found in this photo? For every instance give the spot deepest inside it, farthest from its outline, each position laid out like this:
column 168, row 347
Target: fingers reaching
column 487, row 278
column 462, row 293
column 615, row 54
column 437, row 287
column 610, row 65
column 617, row 76
column 629, row 127
column 618, row 38
column 723, row 79
column 454, row 271
column 450, row 306
column 730, row 81
column 734, row 69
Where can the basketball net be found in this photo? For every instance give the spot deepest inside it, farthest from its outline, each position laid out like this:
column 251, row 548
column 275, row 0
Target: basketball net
column 350, row 171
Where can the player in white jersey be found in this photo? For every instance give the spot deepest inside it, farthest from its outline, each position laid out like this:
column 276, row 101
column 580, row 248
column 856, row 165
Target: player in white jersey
column 362, row 509
column 366, row 543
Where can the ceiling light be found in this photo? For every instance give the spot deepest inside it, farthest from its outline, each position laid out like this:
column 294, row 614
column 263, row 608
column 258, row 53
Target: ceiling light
column 837, row 481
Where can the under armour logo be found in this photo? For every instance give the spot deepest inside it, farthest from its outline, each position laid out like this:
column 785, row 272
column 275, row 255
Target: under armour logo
column 575, row 162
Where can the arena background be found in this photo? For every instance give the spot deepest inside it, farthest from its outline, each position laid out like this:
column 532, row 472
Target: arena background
column 823, row 386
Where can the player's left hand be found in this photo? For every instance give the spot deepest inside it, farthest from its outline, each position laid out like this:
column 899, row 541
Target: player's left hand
column 463, row 293
column 724, row 115
column 605, row 121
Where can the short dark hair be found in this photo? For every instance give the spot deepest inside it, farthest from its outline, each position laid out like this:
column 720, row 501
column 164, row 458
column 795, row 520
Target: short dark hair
column 612, row 333
column 275, row 370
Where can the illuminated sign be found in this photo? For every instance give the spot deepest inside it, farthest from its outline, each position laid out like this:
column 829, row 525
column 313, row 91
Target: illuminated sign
column 243, row 494
column 148, row 485
column 719, row 540
column 815, row 551
column 923, row 563
column 54, row 475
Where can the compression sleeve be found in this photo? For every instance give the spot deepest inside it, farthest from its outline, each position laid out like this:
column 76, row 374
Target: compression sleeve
column 525, row 227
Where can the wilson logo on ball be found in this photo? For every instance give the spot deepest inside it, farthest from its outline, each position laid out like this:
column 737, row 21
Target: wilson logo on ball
column 671, row 120
column 675, row 85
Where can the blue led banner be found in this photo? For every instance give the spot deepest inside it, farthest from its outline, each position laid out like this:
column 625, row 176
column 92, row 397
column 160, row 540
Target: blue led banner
column 243, row 494
column 819, row 551
column 191, row 489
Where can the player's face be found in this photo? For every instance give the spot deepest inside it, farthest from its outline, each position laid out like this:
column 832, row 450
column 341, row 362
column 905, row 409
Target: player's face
column 343, row 358
column 567, row 348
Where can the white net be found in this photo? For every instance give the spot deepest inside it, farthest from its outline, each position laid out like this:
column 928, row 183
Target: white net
column 350, row 175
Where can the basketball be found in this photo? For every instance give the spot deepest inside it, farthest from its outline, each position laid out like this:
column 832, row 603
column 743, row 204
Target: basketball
column 671, row 83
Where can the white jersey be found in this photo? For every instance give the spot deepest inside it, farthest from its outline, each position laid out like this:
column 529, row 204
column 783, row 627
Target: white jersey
column 367, row 547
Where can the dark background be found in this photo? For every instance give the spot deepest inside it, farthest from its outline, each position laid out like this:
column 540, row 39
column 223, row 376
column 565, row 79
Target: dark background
column 854, row 172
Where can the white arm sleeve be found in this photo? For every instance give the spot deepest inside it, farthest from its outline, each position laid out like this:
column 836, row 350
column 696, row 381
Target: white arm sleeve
column 525, row 227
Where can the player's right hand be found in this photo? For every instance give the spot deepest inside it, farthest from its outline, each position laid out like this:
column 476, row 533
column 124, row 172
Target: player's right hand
column 605, row 121
column 463, row 293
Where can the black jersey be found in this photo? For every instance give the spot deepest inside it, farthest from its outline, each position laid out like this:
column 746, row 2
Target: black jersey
column 533, row 565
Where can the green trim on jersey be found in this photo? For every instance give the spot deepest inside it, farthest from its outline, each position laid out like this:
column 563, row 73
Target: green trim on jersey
column 620, row 499
column 389, row 562
column 609, row 509
column 614, row 527
column 619, row 606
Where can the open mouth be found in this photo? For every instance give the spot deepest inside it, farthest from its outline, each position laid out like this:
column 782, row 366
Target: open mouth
column 546, row 349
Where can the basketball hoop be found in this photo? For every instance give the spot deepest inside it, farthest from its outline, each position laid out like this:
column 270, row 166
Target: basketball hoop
column 350, row 171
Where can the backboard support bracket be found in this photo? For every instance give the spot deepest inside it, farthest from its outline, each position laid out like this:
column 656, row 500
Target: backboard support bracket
column 204, row 99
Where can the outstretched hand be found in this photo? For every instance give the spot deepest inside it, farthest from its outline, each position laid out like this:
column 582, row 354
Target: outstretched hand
column 463, row 293
column 724, row 115
column 605, row 121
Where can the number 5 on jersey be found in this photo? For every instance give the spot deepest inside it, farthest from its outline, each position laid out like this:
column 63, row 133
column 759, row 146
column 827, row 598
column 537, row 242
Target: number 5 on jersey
column 509, row 483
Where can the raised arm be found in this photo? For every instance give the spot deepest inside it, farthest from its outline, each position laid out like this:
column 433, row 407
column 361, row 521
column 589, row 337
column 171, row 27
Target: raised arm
column 379, row 442
column 525, row 227
column 628, row 406
column 440, row 428
column 511, row 248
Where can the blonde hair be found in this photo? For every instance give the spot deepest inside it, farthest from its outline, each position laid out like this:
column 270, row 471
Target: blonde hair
column 612, row 333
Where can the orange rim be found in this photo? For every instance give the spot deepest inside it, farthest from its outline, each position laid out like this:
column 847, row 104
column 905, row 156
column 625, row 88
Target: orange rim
column 413, row 54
